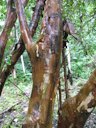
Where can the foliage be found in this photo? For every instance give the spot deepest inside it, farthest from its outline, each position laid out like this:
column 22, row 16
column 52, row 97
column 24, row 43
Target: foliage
column 83, row 17
column 82, row 13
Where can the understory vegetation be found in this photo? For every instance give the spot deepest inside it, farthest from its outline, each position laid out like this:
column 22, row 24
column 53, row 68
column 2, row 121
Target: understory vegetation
column 17, row 89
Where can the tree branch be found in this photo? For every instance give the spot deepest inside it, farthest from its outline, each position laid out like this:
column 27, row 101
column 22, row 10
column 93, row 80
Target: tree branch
column 76, row 110
column 26, row 36
column 17, row 51
column 10, row 108
column 45, row 68
column 10, row 20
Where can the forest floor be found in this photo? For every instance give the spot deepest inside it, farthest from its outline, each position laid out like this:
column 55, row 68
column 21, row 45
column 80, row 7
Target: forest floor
column 14, row 105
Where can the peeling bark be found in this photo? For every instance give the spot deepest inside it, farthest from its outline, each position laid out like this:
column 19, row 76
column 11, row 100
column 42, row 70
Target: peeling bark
column 44, row 56
column 76, row 110
column 45, row 68
column 17, row 51
column 45, row 59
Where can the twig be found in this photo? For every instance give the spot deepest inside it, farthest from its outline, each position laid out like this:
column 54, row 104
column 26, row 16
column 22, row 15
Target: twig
column 10, row 108
column 60, row 94
column 65, row 72
column 23, row 93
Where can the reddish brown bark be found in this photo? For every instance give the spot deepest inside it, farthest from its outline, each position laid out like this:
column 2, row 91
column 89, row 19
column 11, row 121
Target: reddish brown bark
column 25, row 32
column 17, row 52
column 76, row 110
column 52, row 24
column 44, row 56
column 10, row 20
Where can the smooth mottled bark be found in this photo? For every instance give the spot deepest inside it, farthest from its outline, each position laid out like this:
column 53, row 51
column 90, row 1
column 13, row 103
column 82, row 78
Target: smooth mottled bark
column 9, row 23
column 76, row 110
column 45, row 57
column 52, row 31
column 20, row 47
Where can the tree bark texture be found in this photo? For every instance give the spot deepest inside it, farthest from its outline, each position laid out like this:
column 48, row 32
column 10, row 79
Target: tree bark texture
column 9, row 23
column 76, row 110
column 20, row 47
column 45, row 57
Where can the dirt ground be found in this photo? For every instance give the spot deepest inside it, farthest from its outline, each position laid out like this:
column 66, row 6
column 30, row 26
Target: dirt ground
column 14, row 105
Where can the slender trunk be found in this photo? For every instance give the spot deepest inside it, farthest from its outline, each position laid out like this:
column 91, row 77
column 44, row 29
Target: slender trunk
column 65, row 72
column 60, row 95
column 45, row 68
column 64, row 59
column 22, row 61
column 69, row 75
column 10, row 20
column 18, row 51
column 22, row 58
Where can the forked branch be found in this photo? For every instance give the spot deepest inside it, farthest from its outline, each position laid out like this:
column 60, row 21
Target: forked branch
column 17, row 51
column 10, row 20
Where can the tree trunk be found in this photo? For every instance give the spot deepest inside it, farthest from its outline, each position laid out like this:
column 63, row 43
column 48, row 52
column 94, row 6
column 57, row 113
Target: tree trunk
column 76, row 110
column 10, row 20
column 45, row 59
column 18, row 51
